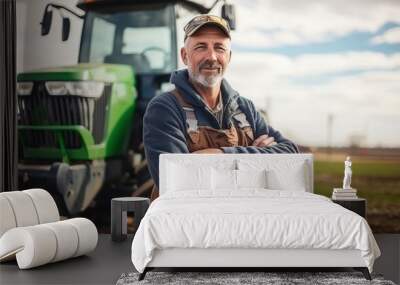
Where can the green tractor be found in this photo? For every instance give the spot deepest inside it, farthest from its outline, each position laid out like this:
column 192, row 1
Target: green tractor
column 80, row 126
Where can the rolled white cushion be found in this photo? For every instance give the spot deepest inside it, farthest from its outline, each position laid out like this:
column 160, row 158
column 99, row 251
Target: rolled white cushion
column 7, row 218
column 33, row 246
column 87, row 235
column 23, row 208
column 45, row 205
column 67, row 240
column 45, row 243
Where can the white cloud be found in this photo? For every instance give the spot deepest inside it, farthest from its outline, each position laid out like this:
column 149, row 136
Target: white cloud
column 391, row 36
column 270, row 23
column 318, row 64
column 358, row 101
column 277, row 65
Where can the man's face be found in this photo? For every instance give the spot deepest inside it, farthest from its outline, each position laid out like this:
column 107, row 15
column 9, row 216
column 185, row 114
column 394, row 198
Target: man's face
column 207, row 54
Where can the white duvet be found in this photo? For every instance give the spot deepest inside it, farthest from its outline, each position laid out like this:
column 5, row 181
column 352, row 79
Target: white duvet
column 253, row 218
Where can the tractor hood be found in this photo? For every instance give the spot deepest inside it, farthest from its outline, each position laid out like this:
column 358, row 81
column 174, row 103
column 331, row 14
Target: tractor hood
column 82, row 72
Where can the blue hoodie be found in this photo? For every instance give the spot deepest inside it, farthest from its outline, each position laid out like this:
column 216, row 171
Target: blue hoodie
column 164, row 123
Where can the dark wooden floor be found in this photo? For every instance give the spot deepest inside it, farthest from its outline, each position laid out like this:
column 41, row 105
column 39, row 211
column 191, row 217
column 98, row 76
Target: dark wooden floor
column 110, row 260
column 102, row 266
column 389, row 262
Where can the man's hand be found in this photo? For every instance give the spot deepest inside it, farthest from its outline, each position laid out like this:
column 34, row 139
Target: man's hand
column 263, row 141
column 209, row 150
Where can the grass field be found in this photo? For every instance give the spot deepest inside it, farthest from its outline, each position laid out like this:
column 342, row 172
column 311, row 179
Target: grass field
column 377, row 181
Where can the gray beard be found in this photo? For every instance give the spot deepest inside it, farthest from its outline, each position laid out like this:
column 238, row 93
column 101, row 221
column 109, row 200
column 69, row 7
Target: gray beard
column 206, row 81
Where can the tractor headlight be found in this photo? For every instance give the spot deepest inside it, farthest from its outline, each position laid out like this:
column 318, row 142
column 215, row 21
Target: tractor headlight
column 56, row 87
column 90, row 89
column 86, row 88
column 24, row 88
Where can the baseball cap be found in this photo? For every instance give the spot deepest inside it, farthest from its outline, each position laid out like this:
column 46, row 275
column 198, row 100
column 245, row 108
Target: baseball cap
column 204, row 19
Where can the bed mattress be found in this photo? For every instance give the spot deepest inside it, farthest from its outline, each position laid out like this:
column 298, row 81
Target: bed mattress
column 250, row 219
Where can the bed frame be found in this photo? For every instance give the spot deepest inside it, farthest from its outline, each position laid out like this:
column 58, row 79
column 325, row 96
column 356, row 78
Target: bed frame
column 243, row 259
column 251, row 258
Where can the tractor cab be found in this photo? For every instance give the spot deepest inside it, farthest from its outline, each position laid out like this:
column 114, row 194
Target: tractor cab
column 143, row 37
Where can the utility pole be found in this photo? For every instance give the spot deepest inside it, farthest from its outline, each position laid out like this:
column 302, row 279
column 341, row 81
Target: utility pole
column 329, row 133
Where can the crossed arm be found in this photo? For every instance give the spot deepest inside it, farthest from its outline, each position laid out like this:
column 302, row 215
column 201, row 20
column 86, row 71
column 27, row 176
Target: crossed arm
column 164, row 132
column 261, row 141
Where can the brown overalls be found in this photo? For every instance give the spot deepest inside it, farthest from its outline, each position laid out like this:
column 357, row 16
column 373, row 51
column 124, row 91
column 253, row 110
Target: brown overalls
column 202, row 137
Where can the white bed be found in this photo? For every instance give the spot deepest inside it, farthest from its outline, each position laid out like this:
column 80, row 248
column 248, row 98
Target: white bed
column 247, row 211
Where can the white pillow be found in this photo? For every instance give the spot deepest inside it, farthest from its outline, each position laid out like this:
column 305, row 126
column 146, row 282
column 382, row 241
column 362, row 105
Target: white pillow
column 183, row 177
column 287, row 176
column 228, row 179
column 223, row 179
column 283, row 174
column 251, row 178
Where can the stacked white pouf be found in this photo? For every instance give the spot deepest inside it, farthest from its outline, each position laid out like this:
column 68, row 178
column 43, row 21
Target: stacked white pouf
column 31, row 230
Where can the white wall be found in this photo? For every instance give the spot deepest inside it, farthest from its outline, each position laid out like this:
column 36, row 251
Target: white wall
column 36, row 51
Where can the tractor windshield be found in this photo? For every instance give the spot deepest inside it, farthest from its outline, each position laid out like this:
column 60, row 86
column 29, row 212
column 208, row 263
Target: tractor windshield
column 144, row 39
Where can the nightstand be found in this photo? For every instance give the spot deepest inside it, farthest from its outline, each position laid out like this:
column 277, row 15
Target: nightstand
column 119, row 208
column 358, row 205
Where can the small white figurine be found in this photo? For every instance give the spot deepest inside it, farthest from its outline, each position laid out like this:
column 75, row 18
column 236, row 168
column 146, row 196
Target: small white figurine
column 347, row 173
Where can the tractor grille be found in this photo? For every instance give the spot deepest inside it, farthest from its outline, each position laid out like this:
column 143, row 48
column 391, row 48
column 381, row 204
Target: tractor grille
column 40, row 108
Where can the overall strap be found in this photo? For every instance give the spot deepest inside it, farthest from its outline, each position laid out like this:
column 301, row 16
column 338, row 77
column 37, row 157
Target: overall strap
column 241, row 119
column 191, row 120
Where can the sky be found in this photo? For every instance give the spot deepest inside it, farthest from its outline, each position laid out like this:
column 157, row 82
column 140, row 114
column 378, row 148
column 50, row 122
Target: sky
column 326, row 72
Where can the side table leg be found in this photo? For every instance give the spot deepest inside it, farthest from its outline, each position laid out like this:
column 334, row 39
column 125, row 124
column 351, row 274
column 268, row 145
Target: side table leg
column 139, row 212
column 117, row 221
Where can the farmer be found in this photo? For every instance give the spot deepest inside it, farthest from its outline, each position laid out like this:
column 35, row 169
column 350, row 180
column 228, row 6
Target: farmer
column 203, row 114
